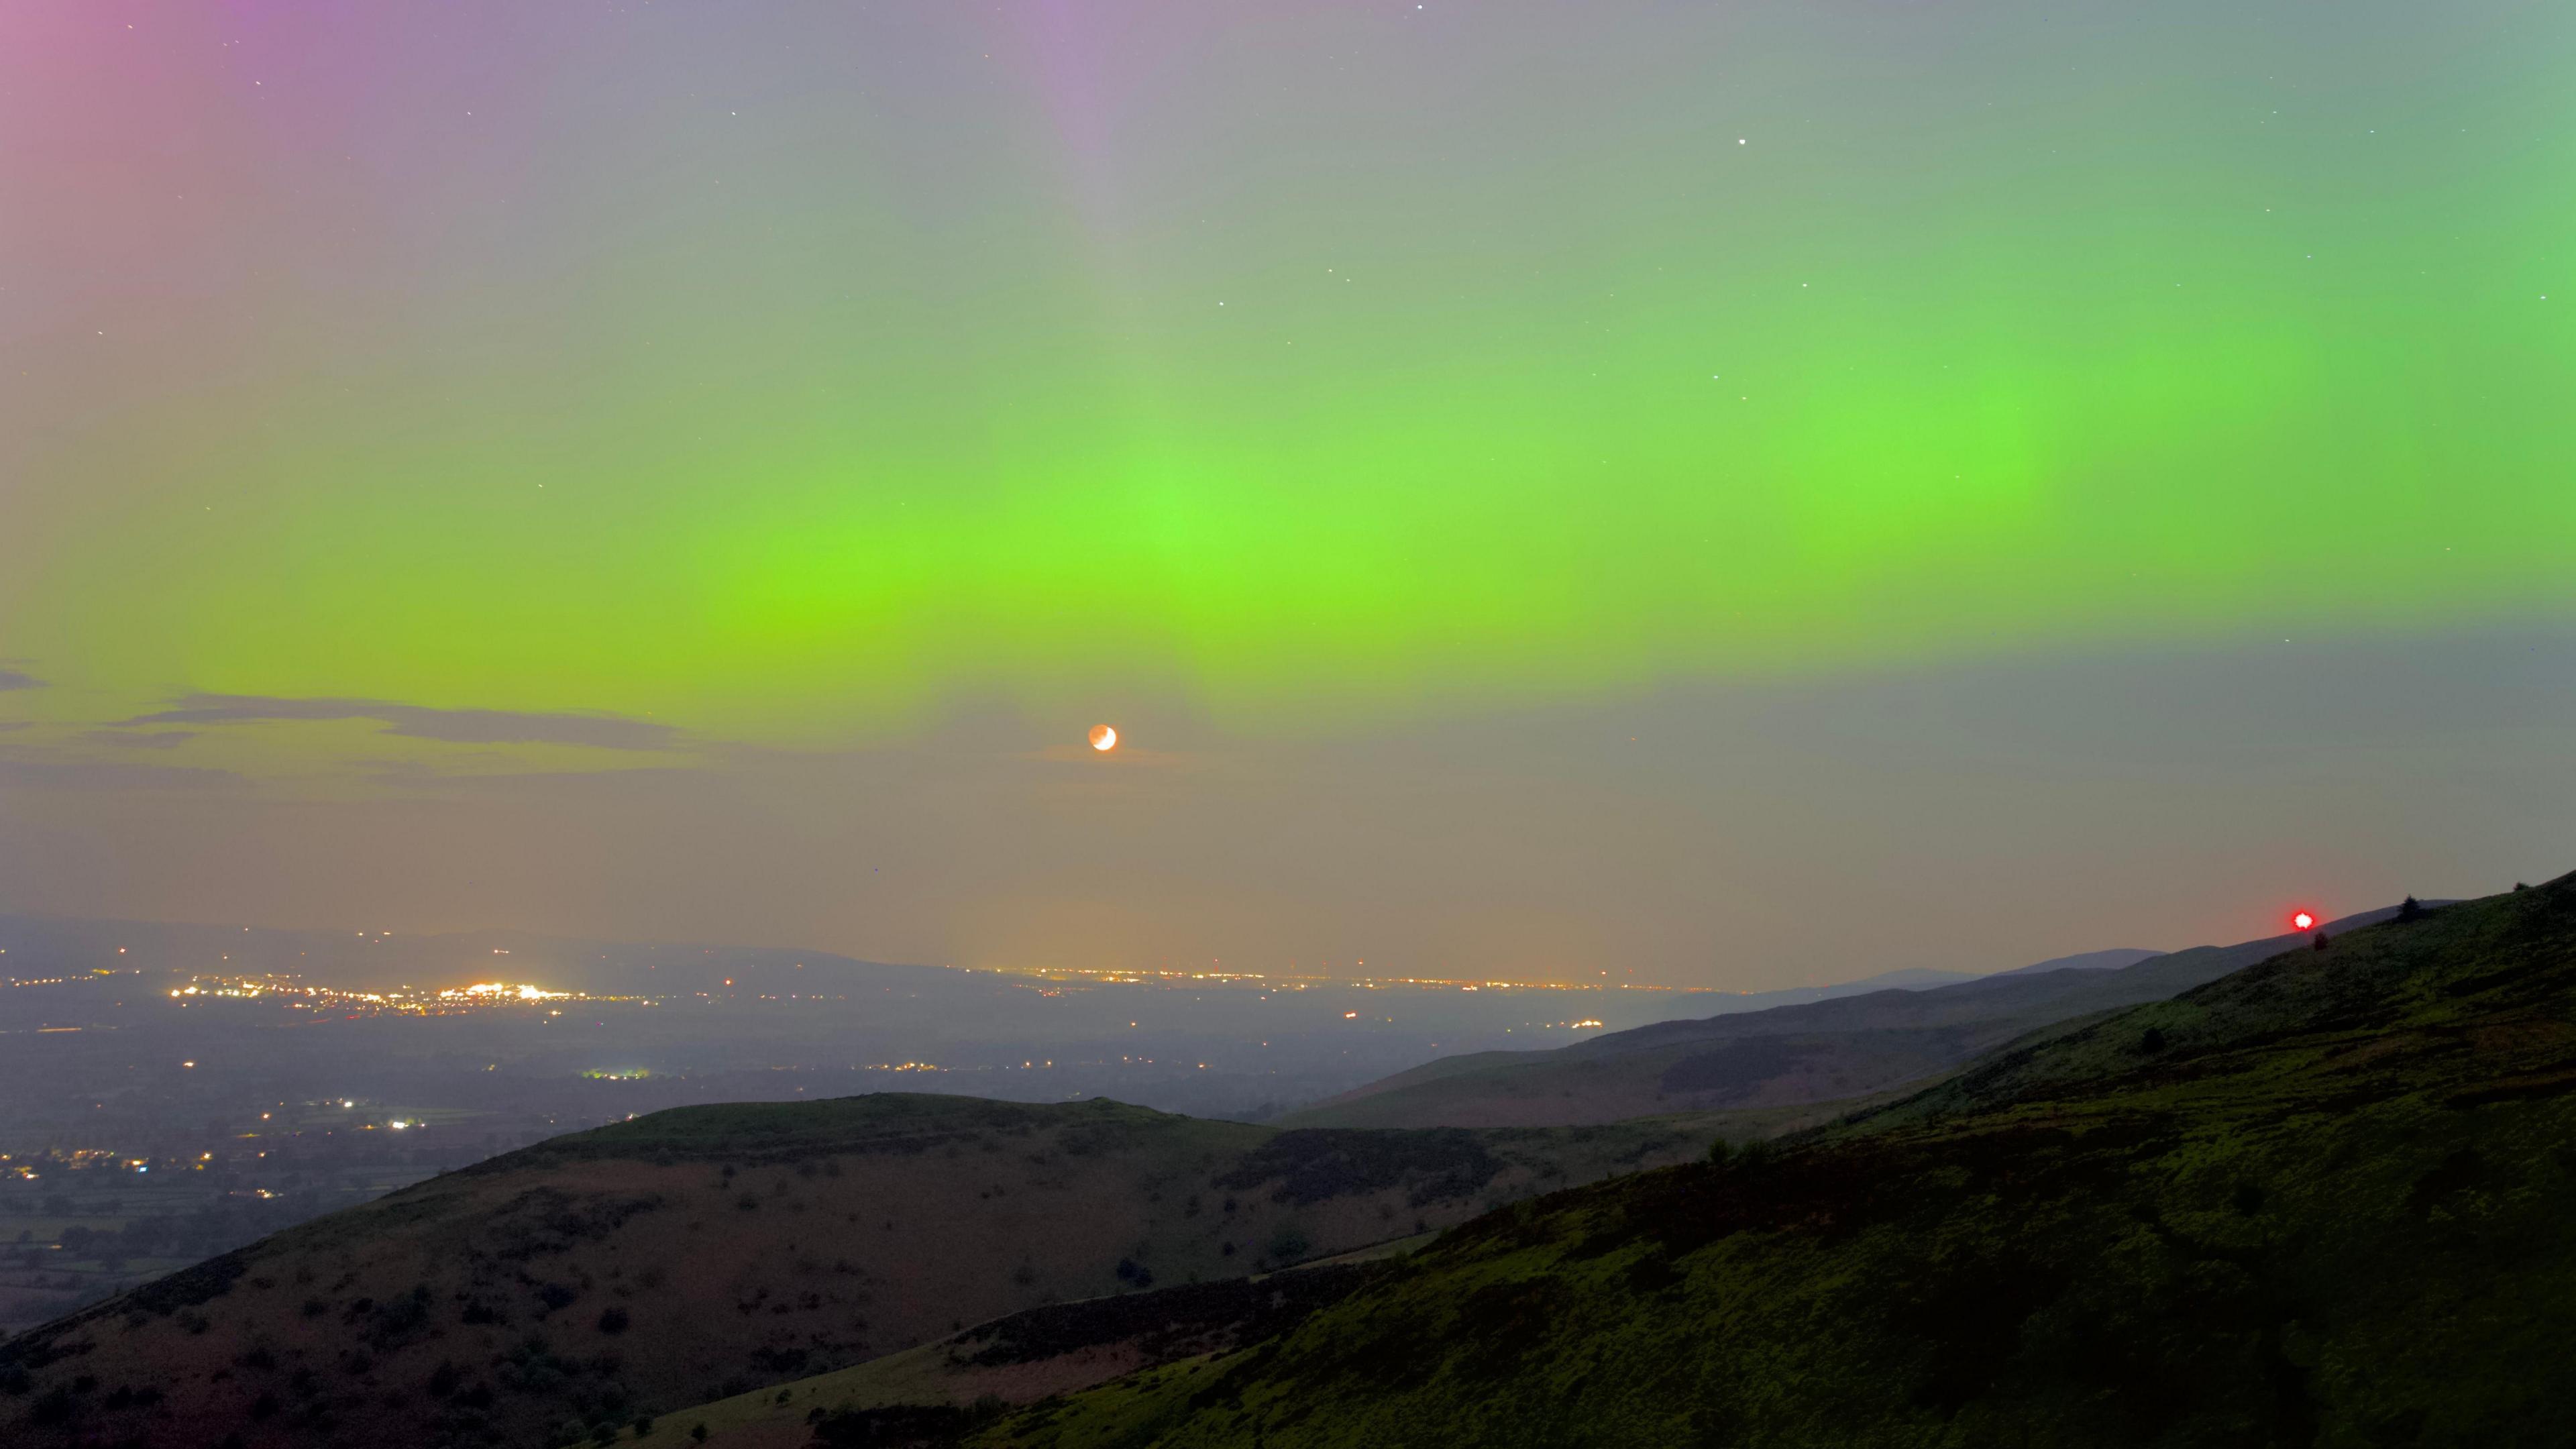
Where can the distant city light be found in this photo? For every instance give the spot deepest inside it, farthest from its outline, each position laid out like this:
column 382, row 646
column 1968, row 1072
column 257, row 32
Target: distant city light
column 501, row 990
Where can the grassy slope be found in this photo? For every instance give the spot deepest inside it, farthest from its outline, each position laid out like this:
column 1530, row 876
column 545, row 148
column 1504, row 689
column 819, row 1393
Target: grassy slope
column 2329, row 1203
column 742, row 1245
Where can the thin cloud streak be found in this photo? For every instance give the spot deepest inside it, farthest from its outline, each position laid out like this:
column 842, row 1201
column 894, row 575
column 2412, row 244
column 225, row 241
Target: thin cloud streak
column 159, row 740
column 453, row 726
column 108, row 777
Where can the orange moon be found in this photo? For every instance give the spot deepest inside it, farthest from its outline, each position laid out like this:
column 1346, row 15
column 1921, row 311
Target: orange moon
column 1104, row 738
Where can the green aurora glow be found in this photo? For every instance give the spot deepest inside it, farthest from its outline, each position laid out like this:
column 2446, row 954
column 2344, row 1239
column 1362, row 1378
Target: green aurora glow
column 795, row 387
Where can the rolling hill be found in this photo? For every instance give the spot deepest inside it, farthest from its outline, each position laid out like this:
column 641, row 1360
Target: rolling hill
column 2322, row 1200
column 1830, row 1050
column 705, row 1251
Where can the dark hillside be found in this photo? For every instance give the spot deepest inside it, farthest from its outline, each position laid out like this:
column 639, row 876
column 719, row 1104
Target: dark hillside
column 942, row 1390
column 2323, row 1201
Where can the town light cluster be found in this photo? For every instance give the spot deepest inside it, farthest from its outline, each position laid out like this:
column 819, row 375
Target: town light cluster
column 501, row 990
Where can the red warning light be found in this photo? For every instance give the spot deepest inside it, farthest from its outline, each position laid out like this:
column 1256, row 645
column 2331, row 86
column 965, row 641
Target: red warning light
column 2304, row 921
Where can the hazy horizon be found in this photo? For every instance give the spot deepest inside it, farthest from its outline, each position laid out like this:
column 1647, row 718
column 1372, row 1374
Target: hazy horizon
column 1971, row 819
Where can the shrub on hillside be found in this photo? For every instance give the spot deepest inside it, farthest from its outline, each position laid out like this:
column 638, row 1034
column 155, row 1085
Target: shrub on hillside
column 1312, row 1164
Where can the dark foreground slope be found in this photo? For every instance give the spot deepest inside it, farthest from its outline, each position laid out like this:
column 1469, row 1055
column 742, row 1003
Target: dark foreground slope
column 941, row 1391
column 2330, row 1199
column 705, row 1251
column 1785, row 1056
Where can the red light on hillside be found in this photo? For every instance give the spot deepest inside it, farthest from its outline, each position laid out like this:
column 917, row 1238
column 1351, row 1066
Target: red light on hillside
column 2304, row 921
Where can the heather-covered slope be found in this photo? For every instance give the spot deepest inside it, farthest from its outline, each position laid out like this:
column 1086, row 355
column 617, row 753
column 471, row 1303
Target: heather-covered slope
column 2325, row 1200
column 1783, row 1058
column 705, row 1251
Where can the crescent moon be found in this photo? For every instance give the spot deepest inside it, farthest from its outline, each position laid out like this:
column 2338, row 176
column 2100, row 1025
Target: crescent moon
column 1104, row 738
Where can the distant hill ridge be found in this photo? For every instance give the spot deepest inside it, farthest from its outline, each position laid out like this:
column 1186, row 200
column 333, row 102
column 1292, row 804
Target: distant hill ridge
column 1846, row 1046
column 2116, row 959
column 47, row 945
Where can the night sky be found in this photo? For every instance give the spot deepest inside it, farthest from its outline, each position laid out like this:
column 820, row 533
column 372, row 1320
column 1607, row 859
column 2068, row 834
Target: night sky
column 1725, row 494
